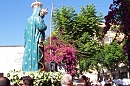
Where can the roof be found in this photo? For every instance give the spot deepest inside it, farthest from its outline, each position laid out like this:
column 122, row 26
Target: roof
column 12, row 46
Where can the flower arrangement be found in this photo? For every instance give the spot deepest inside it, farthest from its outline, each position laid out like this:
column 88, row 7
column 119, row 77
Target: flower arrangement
column 41, row 78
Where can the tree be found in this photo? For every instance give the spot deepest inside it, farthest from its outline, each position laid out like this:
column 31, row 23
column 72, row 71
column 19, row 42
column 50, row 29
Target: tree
column 119, row 15
column 79, row 29
column 61, row 52
column 113, row 56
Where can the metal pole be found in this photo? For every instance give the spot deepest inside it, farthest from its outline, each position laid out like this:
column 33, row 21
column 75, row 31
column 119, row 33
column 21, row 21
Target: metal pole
column 51, row 25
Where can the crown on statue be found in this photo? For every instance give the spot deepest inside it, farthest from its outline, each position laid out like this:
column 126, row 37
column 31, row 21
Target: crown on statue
column 36, row 3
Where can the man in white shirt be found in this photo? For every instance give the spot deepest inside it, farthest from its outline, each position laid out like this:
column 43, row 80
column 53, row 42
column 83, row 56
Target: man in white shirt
column 115, row 82
column 125, row 81
column 119, row 82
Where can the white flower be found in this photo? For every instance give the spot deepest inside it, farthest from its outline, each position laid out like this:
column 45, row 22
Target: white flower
column 14, row 76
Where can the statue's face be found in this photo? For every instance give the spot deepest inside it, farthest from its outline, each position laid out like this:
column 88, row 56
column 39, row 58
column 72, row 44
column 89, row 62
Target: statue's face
column 41, row 15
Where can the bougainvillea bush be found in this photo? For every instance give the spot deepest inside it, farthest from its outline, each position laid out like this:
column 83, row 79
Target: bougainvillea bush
column 119, row 15
column 41, row 78
column 61, row 52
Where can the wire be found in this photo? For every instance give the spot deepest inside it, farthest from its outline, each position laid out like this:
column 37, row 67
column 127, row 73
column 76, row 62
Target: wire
column 60, row 3
column 83, row 6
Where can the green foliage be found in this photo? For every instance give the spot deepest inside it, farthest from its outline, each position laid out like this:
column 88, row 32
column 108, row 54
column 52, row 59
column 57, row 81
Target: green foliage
column 113, row 56
column 64, row 20
column 88, row 20
column 79, row 29
column 73, row 25
column 97, row 58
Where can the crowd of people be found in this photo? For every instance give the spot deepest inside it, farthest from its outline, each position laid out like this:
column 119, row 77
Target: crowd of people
column 85, row 81
column 24, row 81
column 68, row 80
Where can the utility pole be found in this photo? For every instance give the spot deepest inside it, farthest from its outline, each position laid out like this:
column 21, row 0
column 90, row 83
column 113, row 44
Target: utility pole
column 51, row 24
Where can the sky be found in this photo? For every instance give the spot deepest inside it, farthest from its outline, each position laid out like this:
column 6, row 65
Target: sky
column 14, row 14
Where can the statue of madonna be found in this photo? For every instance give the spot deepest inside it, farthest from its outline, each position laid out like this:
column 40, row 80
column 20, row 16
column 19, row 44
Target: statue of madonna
column 34, row 36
